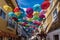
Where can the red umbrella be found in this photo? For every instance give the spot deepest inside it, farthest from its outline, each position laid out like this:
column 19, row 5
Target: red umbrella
column 41, row 16
column 46, row 0
column 14, row 18
column 45, row 5
column 37, row 22
column 29, row 16
column 24, row 23
column 16, row 9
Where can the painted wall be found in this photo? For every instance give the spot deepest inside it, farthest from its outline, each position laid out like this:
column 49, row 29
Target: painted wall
column 4, row 3
column 4, row 27
column 50, row 36
column 3, row 23
column 49, row 14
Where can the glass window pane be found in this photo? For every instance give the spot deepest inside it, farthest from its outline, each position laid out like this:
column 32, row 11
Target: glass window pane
column 55, row 14
column 3, row 15
column 11, row 23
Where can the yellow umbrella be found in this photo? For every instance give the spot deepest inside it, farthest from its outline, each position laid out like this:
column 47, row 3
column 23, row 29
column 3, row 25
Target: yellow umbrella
column 30, row 19
column 17, row 13
column 36, row 13
column 7, row 8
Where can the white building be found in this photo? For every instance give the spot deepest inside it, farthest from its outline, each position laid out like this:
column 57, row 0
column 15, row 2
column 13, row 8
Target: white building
column 54, row 35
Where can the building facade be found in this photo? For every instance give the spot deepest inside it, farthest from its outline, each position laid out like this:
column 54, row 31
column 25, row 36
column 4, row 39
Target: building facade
column 7, row 31
column 51, row 13
column 52, row 22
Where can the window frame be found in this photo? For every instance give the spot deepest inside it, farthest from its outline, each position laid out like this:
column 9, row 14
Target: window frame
column 56, row 36
column 55, row 13
column 2, row 14
column 13, row 23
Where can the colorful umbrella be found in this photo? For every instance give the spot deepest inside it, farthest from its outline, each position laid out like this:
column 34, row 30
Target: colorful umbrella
column 45, row 5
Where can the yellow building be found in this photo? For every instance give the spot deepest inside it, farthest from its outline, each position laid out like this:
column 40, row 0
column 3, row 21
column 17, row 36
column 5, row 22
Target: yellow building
column 7, row 31
column 51, row 15
column 53, row 29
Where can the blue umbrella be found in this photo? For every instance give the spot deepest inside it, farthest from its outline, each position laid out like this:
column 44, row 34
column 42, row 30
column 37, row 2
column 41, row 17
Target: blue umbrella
column 11, row 14
column 28, row 3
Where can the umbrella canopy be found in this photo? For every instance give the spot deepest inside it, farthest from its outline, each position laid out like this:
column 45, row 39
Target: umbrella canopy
column 7, row 8
column 45, row 5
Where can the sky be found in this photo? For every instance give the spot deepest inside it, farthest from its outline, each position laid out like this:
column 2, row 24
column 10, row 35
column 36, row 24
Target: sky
column 28, row 3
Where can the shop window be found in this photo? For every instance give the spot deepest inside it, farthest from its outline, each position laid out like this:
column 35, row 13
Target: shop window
column 11, row 24
column 9, row 2
column 2, row 14
column 55, row 14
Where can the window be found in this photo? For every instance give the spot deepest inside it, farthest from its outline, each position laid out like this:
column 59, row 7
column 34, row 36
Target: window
column 11, row 23
column 56, row 37
column 55, row 14
column 2, row 14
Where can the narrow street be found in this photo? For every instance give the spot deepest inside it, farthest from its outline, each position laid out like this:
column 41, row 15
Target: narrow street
column 29, row 19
